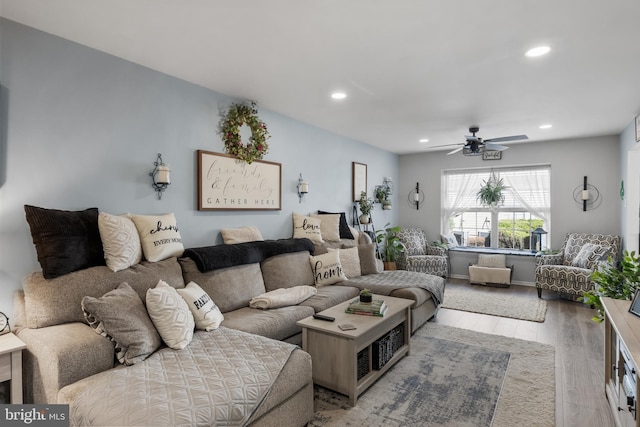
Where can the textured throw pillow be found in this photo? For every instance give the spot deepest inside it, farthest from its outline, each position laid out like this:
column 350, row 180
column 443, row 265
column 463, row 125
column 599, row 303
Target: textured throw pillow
column 449, row 239
column 589, row 255
column 350, row 261
column 120, row 316
column 492, row 260
column 120, row 241
column 367, row 256
column 241, row 235
column 287, row 271
column 329, row 227
column 327, row 269
column 345, row 232
column 170, row 315
column 205, row 312
column 65, row 241
column 307, row 227
column 159, row 236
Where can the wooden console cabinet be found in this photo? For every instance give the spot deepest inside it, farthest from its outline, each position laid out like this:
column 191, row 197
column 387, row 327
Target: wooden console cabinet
column 622, row 359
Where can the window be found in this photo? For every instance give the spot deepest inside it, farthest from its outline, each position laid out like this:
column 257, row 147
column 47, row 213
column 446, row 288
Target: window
column 510, row 224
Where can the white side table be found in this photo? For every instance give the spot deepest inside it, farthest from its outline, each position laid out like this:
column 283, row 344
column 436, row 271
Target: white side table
column 11, row 364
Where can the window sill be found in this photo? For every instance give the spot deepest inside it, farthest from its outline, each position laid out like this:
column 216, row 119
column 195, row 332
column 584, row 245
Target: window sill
column 479, row 249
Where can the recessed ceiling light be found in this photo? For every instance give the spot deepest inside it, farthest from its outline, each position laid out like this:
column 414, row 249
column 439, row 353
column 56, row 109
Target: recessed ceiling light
column 338, row 95
column 546, row 126
column 424, row 140
column 538, row 51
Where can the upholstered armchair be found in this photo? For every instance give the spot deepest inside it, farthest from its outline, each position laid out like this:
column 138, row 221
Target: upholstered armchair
column 419, row 256
column 569, row 271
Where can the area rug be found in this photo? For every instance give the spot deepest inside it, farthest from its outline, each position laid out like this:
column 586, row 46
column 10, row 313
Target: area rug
column 453, row 377
column 496, row 304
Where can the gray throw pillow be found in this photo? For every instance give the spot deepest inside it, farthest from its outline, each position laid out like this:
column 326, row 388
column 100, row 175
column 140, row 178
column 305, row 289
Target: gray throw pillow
column 367, row 254
column 121, row 316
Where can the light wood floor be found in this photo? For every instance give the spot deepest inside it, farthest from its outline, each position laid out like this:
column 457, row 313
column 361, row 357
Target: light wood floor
column 579, row 343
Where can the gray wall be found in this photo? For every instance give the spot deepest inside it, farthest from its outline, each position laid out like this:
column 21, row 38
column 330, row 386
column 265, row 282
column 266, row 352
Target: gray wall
column 598, row 158
column 81, row 128
column 630, row 174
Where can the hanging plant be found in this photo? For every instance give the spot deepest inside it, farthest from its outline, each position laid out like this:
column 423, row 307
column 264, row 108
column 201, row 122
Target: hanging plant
column 490, row 193
column 229, row 130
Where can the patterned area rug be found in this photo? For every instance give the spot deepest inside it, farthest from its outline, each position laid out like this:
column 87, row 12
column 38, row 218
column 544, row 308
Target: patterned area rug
column 454, row 377
column 496, row 304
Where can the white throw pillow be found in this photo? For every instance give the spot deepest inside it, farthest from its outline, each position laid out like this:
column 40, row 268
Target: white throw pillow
column 120, row 241
column 329, row 226
column 327, row 269
column 159, row 235
column 350, row 261
column 306, row 226
column 205, row 312
column 170, row 315
column 449, row 239
column 241, row 235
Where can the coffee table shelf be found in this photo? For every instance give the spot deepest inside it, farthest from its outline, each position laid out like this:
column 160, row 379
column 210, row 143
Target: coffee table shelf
column 335, row 352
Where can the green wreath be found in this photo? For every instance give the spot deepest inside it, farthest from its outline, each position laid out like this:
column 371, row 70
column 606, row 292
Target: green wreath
column 238, row 115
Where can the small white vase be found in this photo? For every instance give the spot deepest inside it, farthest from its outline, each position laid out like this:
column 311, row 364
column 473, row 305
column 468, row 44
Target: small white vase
column 364, row 219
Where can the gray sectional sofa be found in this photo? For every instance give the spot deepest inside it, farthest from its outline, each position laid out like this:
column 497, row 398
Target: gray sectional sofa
column 67, row 362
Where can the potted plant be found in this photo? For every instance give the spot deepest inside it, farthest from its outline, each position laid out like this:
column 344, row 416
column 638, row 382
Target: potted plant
column 382, row 197
column 365, row 207
column 366, row 295
column 614, row 282
column 393, row 247
column 490, row 193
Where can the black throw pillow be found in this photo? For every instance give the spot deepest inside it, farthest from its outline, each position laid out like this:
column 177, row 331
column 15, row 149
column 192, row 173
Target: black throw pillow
column 345, row 233
column 65, row 241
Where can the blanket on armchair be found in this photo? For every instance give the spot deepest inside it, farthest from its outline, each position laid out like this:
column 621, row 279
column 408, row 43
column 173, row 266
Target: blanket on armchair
column 222, row 256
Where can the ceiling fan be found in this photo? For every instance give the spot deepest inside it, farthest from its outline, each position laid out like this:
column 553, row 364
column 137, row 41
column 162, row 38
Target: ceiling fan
column 475, row 146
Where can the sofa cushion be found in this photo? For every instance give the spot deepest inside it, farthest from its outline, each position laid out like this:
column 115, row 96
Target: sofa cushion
column 350, row 261
column 159, row 235
column 55, row 301
column 492, row 260
column 343, row 226
column 418, row 295
column 278, row 323
column 205, row 312
column 327, row 269
column 65, row 241
column 121, row 316
column 287, row 270
column 231, row 288
column 170, row 315
column 307, row 227
column 120, row 241
column 241, row 235
column 328, row 296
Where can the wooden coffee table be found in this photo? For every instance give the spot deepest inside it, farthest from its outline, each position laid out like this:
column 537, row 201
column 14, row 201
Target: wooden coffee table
column 343, row 361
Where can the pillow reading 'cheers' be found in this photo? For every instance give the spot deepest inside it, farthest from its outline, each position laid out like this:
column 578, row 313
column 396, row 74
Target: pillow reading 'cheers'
column 159, row 236
column 327, row 269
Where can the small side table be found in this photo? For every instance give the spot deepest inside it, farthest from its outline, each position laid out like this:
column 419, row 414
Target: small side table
column 11, row 364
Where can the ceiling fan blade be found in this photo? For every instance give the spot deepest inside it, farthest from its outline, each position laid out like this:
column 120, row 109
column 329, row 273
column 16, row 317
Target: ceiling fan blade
column 507, row 138
column 455, row 151
column 496, row 147
column 446, row 145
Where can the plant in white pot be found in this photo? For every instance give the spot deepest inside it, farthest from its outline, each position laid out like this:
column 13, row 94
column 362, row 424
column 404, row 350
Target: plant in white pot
column 366, row 205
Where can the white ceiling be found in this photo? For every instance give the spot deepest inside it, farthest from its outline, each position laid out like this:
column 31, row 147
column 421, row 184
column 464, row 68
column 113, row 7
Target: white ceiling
column 412, row 69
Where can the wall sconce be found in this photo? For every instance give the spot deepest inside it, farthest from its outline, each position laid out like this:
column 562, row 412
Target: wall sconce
column 161, row 176
column 303, row 188
column 537, row 233
column 587, row 195
column 416, row 196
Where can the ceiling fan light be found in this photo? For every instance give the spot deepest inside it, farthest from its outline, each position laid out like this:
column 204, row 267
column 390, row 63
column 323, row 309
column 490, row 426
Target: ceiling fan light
column 537, row 51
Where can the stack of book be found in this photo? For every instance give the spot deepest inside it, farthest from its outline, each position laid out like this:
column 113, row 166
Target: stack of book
column 374, row 308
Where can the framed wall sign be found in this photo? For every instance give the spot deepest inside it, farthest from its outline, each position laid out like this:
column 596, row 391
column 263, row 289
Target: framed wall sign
column 226, row 183
column 358, row 180
column 635, row 304
column 492, row 155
